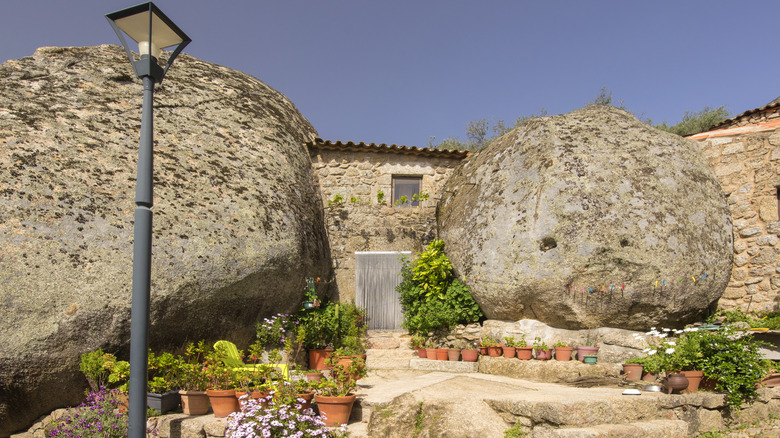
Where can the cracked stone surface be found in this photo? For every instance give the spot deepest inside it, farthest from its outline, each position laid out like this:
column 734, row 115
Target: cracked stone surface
column 589, row 200
column 237, row 221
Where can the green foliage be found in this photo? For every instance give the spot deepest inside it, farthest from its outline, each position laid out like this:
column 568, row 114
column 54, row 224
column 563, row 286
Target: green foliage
column 120, row 375
column 540, row 345
column 516, row 431
column 510, row 341
column 732, row 359
column 336, row 201
column 401, row 201
column 380, row 197
column 431, row 297
column 695, row 122
column 191, row 377
column 96, row 366
column 489, row 341
column 164, row 370
column 334, row 325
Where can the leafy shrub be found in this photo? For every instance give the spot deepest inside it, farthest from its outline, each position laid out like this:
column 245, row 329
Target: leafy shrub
column 96, row 366
column 431, row 297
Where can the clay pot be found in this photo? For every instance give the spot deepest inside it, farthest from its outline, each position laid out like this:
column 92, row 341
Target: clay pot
column 543, row 354
column 313, row 377
column 317, row 358
column 307, row 398
column 632, row 371
column 675, row 382
column 336, row 409
column 453, row 354
column 509, row 352
column 694, row 379
column 223, row 401
column 194, row 402
column 563, row 353
column 421, row 353
column 483, row 351
column 649, row 377
column 586, row 350
column 430, row 353
column 494, row 351
column 441, row 354
column 524, row 353
column 469, row 355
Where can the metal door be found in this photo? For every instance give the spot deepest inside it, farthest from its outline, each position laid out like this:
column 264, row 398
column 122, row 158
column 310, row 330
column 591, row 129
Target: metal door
column 376, row 276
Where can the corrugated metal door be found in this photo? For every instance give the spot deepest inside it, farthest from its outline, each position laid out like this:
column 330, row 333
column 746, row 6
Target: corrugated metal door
column 376, row 276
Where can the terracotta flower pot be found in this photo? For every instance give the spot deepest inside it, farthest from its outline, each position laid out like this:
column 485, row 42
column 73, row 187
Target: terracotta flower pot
column 307, row 398
column 421, row 353
column 194, row 402
column 563, row 353
column 313, row 377
column 453, row 354
column 483, row 351
column 694, row 379
column 223, row 401
column 469, row 355
column 430, row 353
column 586, row 350
column 649, row 377
column 494, row 351
column 509, row 352
column 317, row 358
column 632, row 371
column 543, row 354
column 335, row 409
column 524, row 353
column 441, row 354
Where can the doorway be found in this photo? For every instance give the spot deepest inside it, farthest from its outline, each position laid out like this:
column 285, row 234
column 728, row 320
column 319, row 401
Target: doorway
column 376, row 276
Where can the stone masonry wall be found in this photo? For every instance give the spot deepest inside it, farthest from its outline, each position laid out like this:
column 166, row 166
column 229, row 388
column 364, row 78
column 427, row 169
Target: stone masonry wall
column 748, row 166
column 361, row 223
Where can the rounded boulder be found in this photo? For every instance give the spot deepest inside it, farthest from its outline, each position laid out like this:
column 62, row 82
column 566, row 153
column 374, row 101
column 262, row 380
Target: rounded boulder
column 589, row 219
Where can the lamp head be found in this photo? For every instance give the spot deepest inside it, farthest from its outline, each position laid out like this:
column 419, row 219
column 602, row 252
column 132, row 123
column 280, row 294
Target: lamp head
column 151, row 29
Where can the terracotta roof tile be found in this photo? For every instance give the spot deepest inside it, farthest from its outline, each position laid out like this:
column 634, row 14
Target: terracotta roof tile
column 730, row 122
column 391, row 149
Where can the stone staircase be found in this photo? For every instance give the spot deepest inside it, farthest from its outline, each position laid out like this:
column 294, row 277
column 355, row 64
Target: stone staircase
column 401, row 387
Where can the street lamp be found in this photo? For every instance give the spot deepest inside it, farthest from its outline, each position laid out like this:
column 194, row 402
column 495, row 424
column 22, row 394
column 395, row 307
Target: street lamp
column 153, row 31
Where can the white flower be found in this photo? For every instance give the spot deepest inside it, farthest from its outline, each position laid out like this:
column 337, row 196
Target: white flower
column 671, row 343
column 652, row 352
column 669, row 350
column 667, row 330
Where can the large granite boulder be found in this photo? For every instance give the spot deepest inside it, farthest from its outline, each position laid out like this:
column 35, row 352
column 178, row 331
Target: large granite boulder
column 589, row 201
column 237, row 218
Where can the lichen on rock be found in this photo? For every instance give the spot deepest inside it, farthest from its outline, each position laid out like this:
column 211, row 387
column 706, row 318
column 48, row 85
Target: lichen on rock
column 238, row 223
column 552, row 219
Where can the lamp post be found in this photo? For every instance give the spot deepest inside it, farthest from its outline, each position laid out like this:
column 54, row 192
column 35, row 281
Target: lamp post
column 153, row 31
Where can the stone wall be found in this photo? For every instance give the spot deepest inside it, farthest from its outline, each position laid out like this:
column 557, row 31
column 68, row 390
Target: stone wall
column 361, row 223
column 746, row 160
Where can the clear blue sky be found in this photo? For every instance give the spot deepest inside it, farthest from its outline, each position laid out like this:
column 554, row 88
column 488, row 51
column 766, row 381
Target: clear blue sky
column 401, row 71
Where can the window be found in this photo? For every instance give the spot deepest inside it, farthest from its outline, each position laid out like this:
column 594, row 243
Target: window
column 406, row 187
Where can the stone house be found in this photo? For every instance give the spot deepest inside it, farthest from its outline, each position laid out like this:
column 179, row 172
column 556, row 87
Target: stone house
column 744, row 153
column 363, row 188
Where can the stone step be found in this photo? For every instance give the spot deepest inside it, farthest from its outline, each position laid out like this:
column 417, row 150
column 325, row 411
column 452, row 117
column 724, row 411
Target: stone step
column 384, row 359
column 443, row 365
column 388, row 339
column 645, row 429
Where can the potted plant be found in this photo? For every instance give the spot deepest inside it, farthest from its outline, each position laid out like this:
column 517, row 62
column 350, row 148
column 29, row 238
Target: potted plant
column 163, row 382
column 588, row 349
column 221, row 384
column 335, row 396
column 562, row 351
column 441, row 352
column 492, row 345
column 509, row 346
column 469, row 353
column 417, row 343
column 339, row 362
column 541, row 350
column 119, row 378
column 632, row 368
column 522, row 350
column 430, row 350
column 193, row 380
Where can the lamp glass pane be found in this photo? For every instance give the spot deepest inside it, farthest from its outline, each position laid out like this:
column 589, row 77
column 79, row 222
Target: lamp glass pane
column 137, row 27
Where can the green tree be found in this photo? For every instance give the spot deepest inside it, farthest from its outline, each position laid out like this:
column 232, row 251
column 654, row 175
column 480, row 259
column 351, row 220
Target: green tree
column 696, row 122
